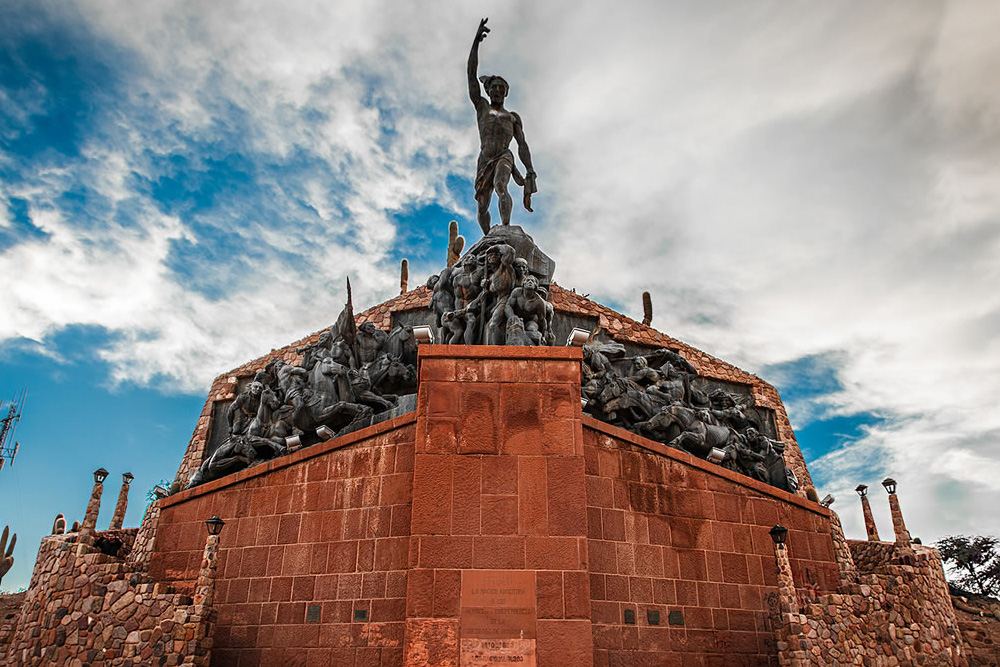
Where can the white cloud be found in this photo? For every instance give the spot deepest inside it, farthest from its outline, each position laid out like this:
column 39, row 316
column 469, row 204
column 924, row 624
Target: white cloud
column 787, row 182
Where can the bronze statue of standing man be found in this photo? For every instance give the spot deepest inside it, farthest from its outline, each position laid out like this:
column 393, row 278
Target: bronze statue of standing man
column 497, row 126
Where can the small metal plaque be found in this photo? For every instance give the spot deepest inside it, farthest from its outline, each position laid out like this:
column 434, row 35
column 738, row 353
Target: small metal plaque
column 652, row 617
column 360, row 614
column 676, row 617
column 312, row 613
column 630, row 617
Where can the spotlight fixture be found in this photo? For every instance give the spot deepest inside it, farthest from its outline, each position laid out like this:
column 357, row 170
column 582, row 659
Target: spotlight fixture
column 577, row 338
column 423, row 334
column 716, row 455
column 827, row 500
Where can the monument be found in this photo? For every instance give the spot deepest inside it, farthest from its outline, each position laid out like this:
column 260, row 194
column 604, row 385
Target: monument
column 487, row 469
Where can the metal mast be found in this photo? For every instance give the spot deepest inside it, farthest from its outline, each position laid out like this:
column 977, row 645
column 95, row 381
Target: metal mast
column 8, row 425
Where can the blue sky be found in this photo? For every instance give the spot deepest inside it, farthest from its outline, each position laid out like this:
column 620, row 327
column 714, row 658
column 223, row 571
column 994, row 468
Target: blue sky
column 807, row 192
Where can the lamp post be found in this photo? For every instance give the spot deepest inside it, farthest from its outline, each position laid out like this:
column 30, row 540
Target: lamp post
column 94, row 505
column 870, row 528
column 902, row 534
column 786, row 585
column 205, row 588
column 118, row 518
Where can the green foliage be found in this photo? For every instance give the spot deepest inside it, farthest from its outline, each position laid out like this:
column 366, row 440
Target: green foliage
column 974, row 562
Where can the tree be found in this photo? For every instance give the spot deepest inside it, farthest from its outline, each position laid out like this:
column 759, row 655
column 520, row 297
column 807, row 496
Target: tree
column 974, row 561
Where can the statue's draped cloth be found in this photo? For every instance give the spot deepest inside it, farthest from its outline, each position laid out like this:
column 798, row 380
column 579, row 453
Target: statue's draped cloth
column 487, row 172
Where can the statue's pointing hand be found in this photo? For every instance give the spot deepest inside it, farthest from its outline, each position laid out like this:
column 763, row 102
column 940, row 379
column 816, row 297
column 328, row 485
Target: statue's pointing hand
column 481, row 33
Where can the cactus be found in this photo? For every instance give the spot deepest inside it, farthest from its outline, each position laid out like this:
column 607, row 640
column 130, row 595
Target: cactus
column 59, row 525
column 7, row 551
column 404, row 275
column 647, row 309
column 456, row 243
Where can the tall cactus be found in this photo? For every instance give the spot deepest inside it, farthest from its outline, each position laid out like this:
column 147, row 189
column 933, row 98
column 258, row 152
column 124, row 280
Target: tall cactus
column 7, row 551
column 404, row 275
column 456, row 243
column 647, row 309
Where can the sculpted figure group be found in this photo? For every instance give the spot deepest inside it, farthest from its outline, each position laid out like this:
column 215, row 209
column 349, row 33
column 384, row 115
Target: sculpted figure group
column 349, row 374
column 653, row 395
column 489, row 297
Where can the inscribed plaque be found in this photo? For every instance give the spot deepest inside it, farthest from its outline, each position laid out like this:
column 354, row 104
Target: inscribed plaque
column 497, row 625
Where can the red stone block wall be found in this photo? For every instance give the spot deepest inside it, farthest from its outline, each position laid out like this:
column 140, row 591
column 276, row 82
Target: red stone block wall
column 670, row 533
column 499, row 484
column 327, row 526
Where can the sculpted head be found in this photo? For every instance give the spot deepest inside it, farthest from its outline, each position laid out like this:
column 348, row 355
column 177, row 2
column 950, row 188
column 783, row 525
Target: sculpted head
column 530, row 284
column 496, row 88
column 256, row 388
column 367, row 327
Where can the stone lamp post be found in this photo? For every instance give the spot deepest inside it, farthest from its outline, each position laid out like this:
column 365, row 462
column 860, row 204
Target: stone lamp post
column 119, row 516
column 866, row 509
column 94, row 506
column 902, row 534
column 205, row 588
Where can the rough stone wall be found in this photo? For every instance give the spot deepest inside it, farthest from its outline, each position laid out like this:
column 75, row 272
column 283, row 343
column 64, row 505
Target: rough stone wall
column 311, row 540
column 83, row 607
column 688, row 541
column 979, row 622
column 10, row 611
column 896, row 612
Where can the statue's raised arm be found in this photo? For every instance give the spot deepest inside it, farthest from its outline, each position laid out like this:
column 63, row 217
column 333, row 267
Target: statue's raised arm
column 474, row 93
column 497, row 128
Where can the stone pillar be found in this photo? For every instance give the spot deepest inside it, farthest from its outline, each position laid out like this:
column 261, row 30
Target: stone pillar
column 786, row 583
column 119, row 516
column 866, row 509
column 841, row 551
column 499, row 499
column 205, row 588
column 898, row 527
column 93, row 506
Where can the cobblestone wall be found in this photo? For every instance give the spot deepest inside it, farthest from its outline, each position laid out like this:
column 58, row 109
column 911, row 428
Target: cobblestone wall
column 84, row 607
column 896, row 611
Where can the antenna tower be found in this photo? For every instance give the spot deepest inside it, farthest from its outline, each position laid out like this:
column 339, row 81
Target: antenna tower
column 8, row 425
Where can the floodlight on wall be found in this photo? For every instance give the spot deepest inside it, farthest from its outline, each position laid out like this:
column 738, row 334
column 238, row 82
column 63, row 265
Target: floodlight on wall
column 127, row 478
column 215, row 525
column 890, row 484
column 827, row 500
column 778, row 534
column 577, row 338
column 716, row 455
column 862, row 490
column 293, row 441
column 160, row 492
column 423, row 334
column 100, row 475
column 325, row 432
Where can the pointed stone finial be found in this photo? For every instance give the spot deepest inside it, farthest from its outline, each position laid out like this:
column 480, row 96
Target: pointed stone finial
column 456, row 243
column 59, row 525
column 404, row 275
column 647, row 309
